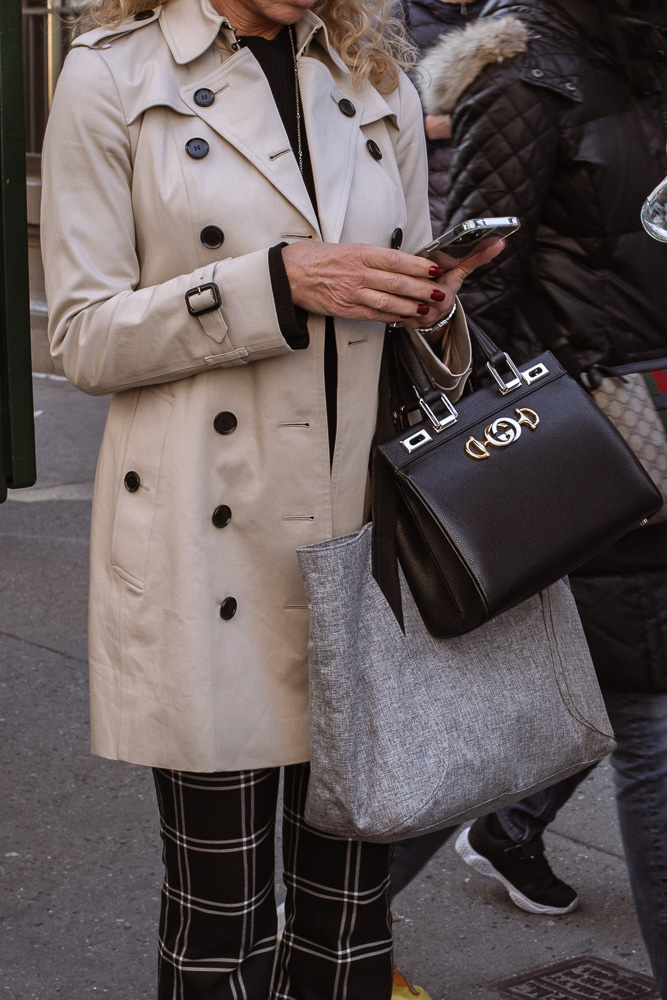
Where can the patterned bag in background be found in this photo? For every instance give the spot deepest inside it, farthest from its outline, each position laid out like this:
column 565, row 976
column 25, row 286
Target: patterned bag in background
column 634, row 397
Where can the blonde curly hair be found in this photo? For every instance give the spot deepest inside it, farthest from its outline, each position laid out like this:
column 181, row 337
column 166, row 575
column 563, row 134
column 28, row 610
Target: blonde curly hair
column 368, row 38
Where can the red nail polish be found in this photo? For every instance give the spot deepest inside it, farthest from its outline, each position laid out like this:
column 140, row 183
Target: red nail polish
column 422, row 309
column 436, row 272
column 437, row 295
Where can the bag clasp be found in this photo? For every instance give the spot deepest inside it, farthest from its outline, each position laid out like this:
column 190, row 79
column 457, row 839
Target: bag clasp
column 511, row 384
column 438, row 423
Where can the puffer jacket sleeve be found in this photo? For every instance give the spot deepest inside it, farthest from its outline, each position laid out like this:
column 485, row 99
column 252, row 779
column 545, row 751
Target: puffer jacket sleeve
column 506, row 144
column 107, row 332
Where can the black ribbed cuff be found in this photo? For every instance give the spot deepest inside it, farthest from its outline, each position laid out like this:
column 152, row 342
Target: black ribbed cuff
column 293, row 320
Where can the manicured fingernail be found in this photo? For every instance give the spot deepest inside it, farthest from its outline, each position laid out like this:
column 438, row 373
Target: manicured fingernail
column 436, row 272
column 437, row 295
column 422, row 309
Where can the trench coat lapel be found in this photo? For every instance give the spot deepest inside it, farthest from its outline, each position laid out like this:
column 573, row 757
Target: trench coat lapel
column 333, row 137
column 244, row 113
column 332, row 142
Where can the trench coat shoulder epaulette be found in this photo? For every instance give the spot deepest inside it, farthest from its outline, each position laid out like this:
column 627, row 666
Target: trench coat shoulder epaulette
column 103, row 36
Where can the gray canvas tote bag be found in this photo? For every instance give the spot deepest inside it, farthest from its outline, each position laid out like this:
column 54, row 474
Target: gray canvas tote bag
column 410, row 733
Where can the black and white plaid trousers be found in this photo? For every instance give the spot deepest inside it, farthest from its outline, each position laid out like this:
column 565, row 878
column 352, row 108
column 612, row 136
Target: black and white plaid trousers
column 218, row 917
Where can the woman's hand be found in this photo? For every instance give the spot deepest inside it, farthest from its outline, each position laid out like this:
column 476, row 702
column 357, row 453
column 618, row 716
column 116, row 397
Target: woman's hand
column 364, row 282
column 438, row 126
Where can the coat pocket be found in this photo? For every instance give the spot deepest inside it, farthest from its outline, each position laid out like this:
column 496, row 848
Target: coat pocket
column 137, row 492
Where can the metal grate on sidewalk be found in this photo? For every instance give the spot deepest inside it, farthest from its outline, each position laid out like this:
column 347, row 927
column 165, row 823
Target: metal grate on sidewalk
column 583, row 978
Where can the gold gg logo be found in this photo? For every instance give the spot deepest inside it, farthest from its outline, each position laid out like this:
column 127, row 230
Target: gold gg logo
column 502, row 432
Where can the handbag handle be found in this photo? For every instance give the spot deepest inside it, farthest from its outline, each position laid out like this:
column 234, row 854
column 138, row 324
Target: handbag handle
column 408, row 384
column 405, row 385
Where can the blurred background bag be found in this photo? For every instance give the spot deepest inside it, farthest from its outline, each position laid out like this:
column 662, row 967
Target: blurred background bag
column 634, row 397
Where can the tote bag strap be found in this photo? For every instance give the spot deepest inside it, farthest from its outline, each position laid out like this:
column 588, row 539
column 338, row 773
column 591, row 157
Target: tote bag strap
column 384, row 496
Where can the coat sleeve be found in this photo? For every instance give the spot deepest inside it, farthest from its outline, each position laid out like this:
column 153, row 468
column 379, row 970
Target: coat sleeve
column 505, row 136
column 450, row 366
column 107, row 332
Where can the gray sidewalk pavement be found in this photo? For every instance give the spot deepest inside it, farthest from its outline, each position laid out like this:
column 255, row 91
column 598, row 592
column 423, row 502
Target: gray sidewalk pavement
column 80, row 846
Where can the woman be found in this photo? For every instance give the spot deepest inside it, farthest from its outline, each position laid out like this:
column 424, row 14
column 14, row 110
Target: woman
column 219, row 184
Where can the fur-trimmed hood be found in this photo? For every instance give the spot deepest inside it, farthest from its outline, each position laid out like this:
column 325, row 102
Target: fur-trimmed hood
column 555, row 34
column 458, row 58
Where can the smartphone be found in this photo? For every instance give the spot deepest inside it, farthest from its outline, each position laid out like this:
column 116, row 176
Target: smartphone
column 468, row 238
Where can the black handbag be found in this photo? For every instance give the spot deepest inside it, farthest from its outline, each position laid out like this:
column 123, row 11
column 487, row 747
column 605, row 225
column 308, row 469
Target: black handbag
column 488, row 502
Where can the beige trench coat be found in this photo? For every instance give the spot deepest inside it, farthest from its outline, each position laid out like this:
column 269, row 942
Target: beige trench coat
column 173, row 683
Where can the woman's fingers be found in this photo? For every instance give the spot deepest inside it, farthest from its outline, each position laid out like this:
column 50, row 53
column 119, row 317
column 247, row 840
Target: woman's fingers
column 483, row 257
column 346, row 279
column 467, row 266
column 362, row 281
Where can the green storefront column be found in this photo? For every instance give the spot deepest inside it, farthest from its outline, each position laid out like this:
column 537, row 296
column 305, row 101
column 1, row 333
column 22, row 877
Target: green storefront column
column 17, row 454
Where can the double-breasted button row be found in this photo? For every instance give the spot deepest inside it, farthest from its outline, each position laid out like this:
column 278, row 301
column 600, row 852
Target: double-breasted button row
column 132, row 481
column 212, row 237
column 222, row 516
column 225, row 422
column 197, row 148
column 396, row 238
column 204, row 97
column 228, row 608
column 374, row 149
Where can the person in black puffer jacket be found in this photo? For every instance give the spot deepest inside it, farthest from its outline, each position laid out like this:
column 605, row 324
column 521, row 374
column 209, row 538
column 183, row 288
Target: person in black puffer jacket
column 559, row 116
column 427, row 21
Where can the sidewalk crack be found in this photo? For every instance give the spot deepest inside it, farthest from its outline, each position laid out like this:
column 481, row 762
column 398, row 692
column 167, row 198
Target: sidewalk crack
column 39, row 645
column 583, row 843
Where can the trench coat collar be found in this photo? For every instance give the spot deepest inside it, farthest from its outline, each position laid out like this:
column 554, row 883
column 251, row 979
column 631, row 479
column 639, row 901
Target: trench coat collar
column 191, row 26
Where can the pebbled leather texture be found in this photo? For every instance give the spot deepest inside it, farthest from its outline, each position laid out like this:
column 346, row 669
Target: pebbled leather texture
column 476, row 537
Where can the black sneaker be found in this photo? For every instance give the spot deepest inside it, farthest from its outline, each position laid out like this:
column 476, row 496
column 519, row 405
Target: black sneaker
column 522, row 869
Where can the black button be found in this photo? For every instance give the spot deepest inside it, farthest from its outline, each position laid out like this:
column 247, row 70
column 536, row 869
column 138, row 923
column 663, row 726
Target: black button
column 228, row 608
column 132, row 482
column 374, row 149
column 225, row 422
column 222, row 516
column 204, row 98
column 197, row 148
column 396, row 238
column 347, row 107
column 212, row 237
column 143, row 15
